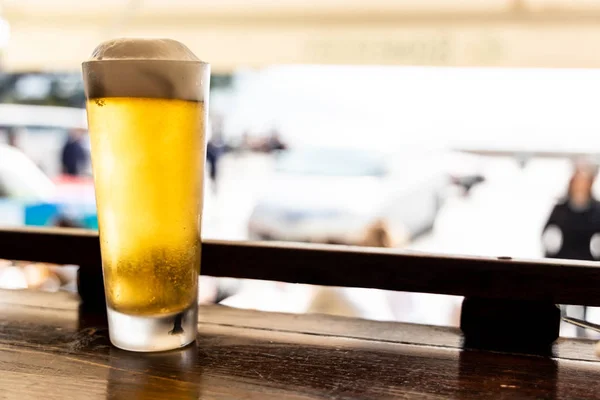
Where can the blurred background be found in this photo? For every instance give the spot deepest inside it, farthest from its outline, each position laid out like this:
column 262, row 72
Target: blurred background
column 461, row 127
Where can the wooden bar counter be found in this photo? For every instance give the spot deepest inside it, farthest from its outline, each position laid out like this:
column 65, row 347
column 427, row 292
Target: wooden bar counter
column 52, row 349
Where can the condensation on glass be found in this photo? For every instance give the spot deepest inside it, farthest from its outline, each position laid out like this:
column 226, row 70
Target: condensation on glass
column 147, row 117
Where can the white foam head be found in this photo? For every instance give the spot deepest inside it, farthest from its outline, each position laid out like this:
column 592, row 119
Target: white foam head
column 156, row 68
column 143, row 49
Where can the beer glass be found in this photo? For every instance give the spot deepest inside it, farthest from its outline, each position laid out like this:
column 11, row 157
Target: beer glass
column 146, row 106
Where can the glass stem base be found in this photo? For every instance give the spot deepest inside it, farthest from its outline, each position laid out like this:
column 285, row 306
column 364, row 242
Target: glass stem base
column 153, row 332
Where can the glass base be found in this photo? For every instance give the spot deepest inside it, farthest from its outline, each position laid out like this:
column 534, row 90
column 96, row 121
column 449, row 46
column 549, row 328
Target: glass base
column 153, row 333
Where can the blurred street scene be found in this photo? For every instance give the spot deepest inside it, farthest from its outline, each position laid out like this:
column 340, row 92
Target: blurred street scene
column 398, row 128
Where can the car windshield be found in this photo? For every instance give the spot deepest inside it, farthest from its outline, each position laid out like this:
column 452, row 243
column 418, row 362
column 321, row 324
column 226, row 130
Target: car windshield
column 331, row 162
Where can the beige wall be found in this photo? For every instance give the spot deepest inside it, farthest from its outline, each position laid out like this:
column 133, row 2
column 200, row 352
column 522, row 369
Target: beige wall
column 496, row 35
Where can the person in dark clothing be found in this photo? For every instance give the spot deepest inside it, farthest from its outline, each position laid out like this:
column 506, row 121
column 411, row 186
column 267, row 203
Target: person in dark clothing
column 573, row 229
column 212, row 158
column 570, row 230
column 74, row 156
column 214, row 149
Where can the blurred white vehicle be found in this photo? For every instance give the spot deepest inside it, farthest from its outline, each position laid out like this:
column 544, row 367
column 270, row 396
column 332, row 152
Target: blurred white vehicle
column 41, row 131
column 21, row 179
column 349, row 196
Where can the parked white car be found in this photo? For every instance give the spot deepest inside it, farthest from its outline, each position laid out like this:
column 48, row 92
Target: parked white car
column 349, row 196
column 21, row 179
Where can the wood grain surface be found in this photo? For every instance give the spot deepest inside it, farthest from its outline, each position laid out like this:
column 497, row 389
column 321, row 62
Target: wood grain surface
column 51, row 350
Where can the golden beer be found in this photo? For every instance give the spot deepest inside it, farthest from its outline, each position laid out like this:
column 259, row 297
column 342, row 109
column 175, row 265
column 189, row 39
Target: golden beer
column 146, row 117
column 148, row 168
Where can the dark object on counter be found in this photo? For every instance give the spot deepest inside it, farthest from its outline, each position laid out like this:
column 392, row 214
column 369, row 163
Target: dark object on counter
column 529, row 327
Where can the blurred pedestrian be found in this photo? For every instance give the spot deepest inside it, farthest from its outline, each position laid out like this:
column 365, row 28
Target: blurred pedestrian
column 214, row 150
column 74, row 157
column 573, row 229
column 574, row 223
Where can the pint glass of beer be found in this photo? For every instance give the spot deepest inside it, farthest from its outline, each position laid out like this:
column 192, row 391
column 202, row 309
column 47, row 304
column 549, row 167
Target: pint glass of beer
column 146, row 106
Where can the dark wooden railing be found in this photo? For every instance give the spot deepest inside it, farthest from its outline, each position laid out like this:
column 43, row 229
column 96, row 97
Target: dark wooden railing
column 564, row 282
column 499, row 291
